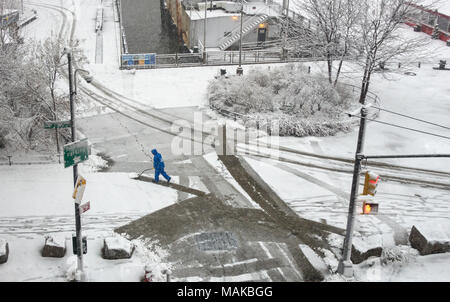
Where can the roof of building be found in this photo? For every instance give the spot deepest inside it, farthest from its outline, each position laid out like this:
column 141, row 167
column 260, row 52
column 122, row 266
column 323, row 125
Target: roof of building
column 252, row 8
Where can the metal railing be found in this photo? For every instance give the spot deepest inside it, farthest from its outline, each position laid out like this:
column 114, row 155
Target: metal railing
column 220, row 58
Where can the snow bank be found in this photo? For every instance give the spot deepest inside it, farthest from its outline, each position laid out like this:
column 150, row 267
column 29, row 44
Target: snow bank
column 94, row 163
column 314, row 259
column 365, row 247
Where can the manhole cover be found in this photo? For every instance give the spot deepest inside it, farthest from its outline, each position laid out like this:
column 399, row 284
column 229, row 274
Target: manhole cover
column 216, row 241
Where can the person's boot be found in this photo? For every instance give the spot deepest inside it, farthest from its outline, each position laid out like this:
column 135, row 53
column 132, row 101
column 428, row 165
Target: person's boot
column 168, row 181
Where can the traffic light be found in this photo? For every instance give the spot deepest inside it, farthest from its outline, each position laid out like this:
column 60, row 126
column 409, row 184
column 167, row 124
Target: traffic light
column 370, row 183
column 370, row 208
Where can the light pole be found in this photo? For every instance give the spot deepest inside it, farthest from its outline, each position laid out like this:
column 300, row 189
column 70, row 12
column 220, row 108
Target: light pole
column 204, row 34
column 239, row 70
column 72, row 93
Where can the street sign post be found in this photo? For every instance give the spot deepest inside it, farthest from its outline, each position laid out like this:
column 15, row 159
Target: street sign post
column 76, row 152
column 57, row 124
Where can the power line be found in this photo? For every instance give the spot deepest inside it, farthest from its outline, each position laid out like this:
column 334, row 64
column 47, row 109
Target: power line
column 406, row 128
column 410, row 117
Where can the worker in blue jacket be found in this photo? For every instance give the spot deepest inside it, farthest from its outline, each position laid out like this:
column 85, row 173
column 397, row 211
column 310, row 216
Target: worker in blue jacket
column 158, row 164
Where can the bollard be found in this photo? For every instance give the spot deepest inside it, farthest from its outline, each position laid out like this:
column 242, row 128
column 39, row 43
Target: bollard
column 224, row 139
column 9, row 159
column 168, row 273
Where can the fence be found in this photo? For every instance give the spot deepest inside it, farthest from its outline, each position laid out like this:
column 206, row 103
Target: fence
column 9, row 160
column 219, row 58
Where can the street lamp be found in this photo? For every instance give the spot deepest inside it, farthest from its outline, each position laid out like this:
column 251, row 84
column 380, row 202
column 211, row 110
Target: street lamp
column 239, row 70
column 72, row 92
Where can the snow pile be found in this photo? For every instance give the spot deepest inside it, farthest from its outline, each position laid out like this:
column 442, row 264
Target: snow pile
column 401, row 254
column 314, row 259
column 94, row 163
column 71, row 269
column 366, row 243
column 150, row 253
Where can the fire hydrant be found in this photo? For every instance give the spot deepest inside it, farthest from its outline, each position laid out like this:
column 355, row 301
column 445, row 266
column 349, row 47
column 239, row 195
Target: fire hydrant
column 148, row 274
column 153, row 273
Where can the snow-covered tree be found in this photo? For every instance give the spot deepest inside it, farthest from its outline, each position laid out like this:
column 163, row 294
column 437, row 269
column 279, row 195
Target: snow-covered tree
column 379, row 38
column 324, row 30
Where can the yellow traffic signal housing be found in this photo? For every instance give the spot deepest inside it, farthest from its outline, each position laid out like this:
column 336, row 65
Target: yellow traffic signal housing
column 370, row 208
column 370, row 183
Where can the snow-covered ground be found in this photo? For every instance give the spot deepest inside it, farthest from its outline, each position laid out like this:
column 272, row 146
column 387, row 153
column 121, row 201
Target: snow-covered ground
column 37, row 201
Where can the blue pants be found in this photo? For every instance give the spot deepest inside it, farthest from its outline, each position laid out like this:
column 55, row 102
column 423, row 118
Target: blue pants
column 163, row 173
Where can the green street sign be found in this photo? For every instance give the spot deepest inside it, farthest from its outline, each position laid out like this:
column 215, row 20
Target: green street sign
column 76, row 152
column 57, row 124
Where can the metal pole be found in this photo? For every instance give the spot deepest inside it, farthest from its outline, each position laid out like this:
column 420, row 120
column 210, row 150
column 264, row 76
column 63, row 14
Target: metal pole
column 286, row 26
column 204, row 34
column 239, row 70
column 75, row 169
column 345, row 265
column 224, row 139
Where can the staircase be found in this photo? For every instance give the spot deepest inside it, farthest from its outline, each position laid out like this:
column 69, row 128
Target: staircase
column 247, row 26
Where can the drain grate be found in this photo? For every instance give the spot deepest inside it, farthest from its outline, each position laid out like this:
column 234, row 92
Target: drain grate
column 216, row 241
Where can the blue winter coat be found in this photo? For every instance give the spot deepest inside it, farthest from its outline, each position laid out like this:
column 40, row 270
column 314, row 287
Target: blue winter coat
column 158, row 162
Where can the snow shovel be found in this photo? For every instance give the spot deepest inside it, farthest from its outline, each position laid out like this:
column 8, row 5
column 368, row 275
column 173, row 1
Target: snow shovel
column 136, row 175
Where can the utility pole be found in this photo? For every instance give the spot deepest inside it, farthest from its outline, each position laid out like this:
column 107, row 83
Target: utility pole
column 345, row 265
column 75, row 170
column 239, row 70
column 204, row 34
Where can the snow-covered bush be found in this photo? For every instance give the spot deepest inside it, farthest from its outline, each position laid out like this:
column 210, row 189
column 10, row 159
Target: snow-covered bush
column 398, row 254
column 298, row 103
